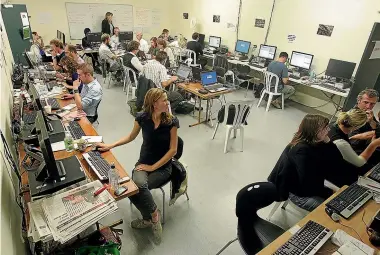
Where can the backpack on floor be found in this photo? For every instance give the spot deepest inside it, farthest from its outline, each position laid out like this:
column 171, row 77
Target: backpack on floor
column 133, row 107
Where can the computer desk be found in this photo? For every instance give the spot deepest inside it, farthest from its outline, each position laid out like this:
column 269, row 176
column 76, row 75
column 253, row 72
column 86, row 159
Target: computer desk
column 193, row 88
column 320, row 216
column 89, row 131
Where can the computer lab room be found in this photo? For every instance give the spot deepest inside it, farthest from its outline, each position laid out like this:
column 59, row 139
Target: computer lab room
column 190, row 127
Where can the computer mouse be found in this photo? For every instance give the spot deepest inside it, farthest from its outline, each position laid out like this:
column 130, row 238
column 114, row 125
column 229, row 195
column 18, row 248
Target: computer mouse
column 121, row 190
column 203, row 91
column 77, row 118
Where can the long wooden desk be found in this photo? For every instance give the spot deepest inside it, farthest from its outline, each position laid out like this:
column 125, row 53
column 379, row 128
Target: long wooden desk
column 194, row 88
column 89, row 131
column 320, row 216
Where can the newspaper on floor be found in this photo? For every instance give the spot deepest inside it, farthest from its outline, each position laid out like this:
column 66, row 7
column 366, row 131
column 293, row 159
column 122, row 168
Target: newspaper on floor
column 71, row 212
column 38, row 221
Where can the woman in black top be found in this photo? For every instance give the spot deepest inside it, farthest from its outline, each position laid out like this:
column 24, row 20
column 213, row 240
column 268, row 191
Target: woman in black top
column 159, row 132
column 107, row 25
column 302, row 168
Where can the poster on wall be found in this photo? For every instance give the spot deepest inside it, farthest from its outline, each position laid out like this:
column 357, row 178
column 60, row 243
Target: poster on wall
column 24, row 18
column 291, row 38
column 325, row 30
column 216, row 19
column 376, row 51
column 260, row 23
column 185, row 15
column 231, row 26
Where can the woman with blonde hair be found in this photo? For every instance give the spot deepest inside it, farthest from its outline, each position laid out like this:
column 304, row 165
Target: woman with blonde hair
column 159, row 132
column 70, row 67
column 107, row 25
column 346, row 123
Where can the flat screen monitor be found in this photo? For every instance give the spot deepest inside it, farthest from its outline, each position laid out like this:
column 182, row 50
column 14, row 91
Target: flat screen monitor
column 267, row 51
column 183, row 71
column 94, row 37
column 214, row 41
column 28, row 59
column 242, row 46
column 126, row 36
column 208, row 78
column 340, row 69
column 201, row 39
column 301, row 60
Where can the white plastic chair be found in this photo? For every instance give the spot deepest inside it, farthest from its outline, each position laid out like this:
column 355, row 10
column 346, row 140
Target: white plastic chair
column 128, row 84
column 191, row 57
column 270, row 90
column 242, row 110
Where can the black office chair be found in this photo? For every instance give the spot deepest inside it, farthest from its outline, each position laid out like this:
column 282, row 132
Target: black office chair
column 93, row 119
column 253, row 232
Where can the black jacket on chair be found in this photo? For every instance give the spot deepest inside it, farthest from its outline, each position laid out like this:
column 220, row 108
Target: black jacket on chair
column 143, row 87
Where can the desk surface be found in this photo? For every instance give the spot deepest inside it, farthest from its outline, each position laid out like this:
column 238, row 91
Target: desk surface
column 90, row 131
column 319, row 215
column 194, row 87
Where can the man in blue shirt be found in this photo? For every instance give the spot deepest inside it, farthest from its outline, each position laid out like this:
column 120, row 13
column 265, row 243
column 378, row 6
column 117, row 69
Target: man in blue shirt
column 91, row 94
column 279, row 68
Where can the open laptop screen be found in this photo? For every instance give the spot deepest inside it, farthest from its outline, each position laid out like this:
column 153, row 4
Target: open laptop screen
column 183, row 71
column 208, row 78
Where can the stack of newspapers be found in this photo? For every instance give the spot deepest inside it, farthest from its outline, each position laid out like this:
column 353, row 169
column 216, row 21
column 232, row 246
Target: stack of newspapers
column 64, row 215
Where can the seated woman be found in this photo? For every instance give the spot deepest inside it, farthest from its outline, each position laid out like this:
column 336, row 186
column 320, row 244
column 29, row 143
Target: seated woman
column 70, row 67
column 346, row 123
column 159, row 132
column 153, row 47
column 162, row 46
column 302, row 168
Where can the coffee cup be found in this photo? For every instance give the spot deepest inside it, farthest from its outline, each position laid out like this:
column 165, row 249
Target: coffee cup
column 47, row 109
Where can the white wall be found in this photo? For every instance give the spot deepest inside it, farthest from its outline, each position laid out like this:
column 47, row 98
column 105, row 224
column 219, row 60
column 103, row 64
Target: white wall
column 10, row 213
column 57, row 9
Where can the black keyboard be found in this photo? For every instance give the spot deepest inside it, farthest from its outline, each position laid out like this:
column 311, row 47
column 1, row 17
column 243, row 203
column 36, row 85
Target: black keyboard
column 350, row 200
column 30, row 117
column 256, row 65
column 98, row 164
column 75, row 130
column 375, row 173
column 328, row 86
column 308, row 240
column 294, row 77
column 53, row 102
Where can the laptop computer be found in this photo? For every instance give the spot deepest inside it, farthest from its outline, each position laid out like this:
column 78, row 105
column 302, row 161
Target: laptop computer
column 210, row 82
column 183, row 72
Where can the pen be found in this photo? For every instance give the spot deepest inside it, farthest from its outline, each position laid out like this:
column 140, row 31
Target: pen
column 97, row 192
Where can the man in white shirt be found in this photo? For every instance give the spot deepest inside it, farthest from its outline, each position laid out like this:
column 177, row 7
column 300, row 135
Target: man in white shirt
column 130, row 59
column 155, row 71
column 143, row 44
column 71, row 51
column 105, row 54
column 115, row 38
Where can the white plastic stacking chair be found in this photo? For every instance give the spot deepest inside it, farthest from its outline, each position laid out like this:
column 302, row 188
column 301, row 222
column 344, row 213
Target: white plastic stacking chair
column 128, row 84
column 242, row 110
column 191, row 57
column 270, row 89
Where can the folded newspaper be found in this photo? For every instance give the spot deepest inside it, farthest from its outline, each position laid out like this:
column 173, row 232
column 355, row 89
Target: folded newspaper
column 67, row 214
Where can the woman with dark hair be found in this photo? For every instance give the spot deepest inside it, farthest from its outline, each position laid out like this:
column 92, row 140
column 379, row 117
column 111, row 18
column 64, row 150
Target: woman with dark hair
column 107, row 25
column 70, row 67
column 153, row 47
column 160, row 139
column 302, row 168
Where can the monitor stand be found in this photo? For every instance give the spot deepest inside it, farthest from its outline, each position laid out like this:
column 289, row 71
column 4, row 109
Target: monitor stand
column 70, row 171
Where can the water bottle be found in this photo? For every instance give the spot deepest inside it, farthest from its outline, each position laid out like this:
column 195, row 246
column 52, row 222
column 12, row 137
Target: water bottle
column 69, row 141
column 113, row 177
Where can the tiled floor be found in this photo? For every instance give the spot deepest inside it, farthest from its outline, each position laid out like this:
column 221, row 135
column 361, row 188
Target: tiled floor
column 205, row 223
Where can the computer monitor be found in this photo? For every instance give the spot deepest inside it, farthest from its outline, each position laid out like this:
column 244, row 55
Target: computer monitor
column 94, row 37
column 214, row 41
column 340, row 69
column 126, row 36
column 208, row 78
column 201, row 39
column 301, row 60
column 267, row 51
column 183, row 71
column 242, row 46
column 28, row 59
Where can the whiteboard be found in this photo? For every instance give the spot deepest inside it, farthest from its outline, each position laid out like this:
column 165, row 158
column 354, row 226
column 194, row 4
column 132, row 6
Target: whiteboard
column 82, row 15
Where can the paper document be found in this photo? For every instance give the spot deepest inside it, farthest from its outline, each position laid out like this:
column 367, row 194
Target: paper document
column 93, row 139
column 340, row 238
column 58, row 146
column 69, row 107
column 369, row 184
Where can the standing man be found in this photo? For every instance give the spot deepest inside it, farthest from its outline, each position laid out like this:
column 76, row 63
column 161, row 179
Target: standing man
column 360, row 138
column 144, row 47
column 57, row 53
column 279, row 68
column 115, row 41
column 91, row 94
column 71, row 51
column 155, row 71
